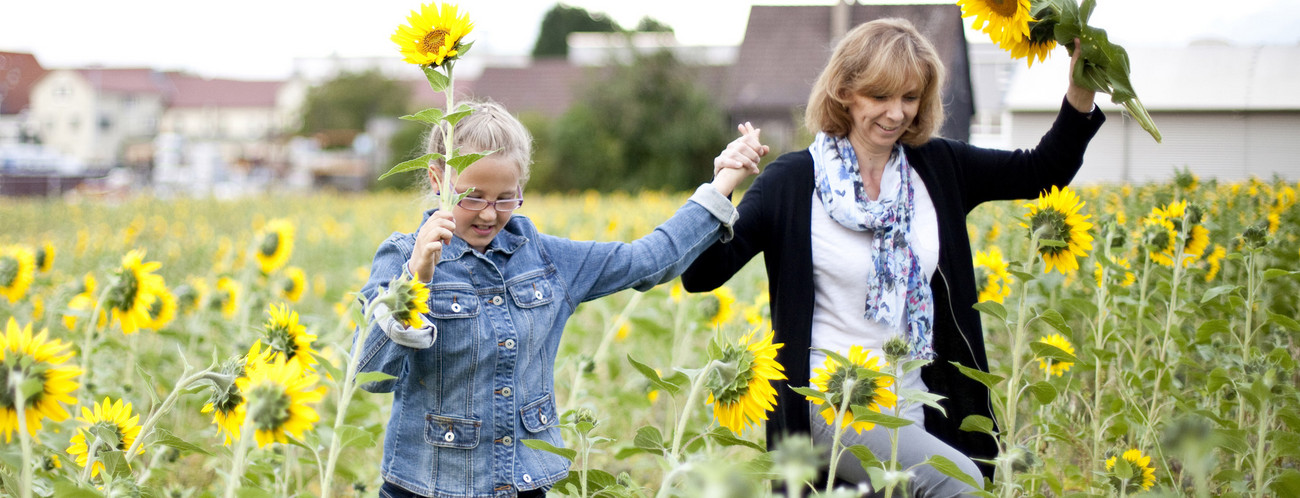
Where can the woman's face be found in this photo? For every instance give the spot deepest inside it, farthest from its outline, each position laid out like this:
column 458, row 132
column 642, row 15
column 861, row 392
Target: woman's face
column 880, row 120
column 493, row 178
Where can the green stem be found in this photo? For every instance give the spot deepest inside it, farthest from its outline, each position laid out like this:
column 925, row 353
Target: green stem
column 1098, row 342
column 611, row 331
column 697, row 386
column 25, row 440
column 446, row 194
column 1261, row 433
column 241, row 452
column 92, row 450
column 836, row 451
column 88, row 342
column 1017, row 362
column 346, row 391
column 166, row 406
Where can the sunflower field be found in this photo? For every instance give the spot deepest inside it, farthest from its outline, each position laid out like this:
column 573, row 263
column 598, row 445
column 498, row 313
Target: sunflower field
column 1142, row 340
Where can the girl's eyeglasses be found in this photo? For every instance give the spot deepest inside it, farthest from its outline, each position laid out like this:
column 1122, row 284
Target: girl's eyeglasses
column 502, row 205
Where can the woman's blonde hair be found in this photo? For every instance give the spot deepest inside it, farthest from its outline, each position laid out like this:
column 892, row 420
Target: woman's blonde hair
column 881, row 57
column 489, row 127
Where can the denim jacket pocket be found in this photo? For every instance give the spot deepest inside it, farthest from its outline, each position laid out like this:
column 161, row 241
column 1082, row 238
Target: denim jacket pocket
column 453, row 303
column 533, row 292
column 451, row 432
column 539, row 415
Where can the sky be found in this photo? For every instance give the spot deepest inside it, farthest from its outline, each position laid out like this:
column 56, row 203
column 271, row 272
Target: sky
column 259, row 39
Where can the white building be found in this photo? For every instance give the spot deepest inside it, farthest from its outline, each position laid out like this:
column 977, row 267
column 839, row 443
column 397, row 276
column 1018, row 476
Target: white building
column 92, row 115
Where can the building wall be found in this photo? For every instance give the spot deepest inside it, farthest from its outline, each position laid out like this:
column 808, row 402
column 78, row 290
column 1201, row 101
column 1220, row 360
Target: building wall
column 63, row 106
column 1224, row 145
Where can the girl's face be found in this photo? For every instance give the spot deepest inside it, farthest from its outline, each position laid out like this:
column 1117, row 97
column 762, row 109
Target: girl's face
column 493, row 178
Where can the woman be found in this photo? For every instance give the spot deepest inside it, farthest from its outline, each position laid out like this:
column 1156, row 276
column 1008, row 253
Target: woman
column 877, row 190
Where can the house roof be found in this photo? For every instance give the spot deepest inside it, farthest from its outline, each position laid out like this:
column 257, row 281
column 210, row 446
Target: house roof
column 1200, row 77
column 547, row 86
column 18, row 72
column 192, row 91
column 786, row 48
column 127, row 80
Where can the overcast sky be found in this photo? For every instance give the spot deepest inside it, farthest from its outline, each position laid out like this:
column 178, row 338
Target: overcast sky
column 258, row 39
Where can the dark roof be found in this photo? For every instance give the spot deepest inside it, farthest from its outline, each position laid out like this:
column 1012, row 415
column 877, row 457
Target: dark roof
column 547, row 86
column 192, row 91
column 18, row 72
column 786, row 47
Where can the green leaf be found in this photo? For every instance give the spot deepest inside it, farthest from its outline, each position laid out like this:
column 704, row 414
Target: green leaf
column 1273, row 273
column 70, row 489
column 1052, row 243
column 115, row 463
column 165, row 438
column 1081, row 306
column 1286, row 483
column 1044, row 391
column 412, row 165
column 650, row 439
column 460, row 113
column 1285, row 444
column 1218, row 291
column 924, row 397
column 862, row 413
column 1023, row 276
column 978, row 423
column 598, row 479
column 992, row 308
column 723, row 436
column 1284, row 321
column 431, row 116
column 950, row 469
column 1210, row 328
column 1045, row 350
column 364, row 378
column 811, row 393
column 350, row 436
column 149, row 383
column 990, row 380
column 865, row 455
column 437, row 81
column 460, row 162
column 1054, row 318
column 653, row 376
column 538, row 444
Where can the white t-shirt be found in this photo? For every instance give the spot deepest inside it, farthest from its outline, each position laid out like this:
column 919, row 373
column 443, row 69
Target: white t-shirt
column 841, row 269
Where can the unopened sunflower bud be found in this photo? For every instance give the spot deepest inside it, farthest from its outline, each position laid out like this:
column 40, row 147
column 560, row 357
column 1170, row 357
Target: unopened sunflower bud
column 896, row 349
column 1256, row 236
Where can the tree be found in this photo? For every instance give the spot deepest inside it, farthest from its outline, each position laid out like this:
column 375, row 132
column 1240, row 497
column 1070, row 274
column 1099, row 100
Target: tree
column 650, row 24
column 552, row 38
column 647, row 125
column 350, row 99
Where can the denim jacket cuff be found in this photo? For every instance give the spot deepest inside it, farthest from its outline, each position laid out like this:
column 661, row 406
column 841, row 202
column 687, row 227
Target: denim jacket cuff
column 421, row 338
column 719, row 206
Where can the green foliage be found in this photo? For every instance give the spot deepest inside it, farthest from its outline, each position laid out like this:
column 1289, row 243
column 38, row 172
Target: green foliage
column 647, row 125
column 350, row 99
column 552, row 38
column 407, row 143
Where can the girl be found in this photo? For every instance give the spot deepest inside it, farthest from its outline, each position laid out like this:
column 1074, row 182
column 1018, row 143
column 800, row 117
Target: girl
column 478, row 377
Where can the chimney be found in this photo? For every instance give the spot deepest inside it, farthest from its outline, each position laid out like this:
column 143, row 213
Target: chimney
column 839, row 20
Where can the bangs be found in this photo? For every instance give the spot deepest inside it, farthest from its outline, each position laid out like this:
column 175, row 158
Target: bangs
column 898, row 70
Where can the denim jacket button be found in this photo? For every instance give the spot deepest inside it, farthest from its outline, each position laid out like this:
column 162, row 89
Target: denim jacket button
column 507, row 440
column 449, row 437
column 510, row 343
column 542, row 417
column 455, row 307
column 537, row 294
column 497, row 300
column 528, row 478
column 505, row 391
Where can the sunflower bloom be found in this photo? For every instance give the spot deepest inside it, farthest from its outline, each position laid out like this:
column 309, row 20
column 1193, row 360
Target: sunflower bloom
column 1188, row 232
column 109, row 415
column 1100, row 273
column 17, row 270
column 1052, row 367
column 1055, row 216
column 84, row 301
column 35, row 358
column 1215, row 261
column 409, row 300
column 226, row 297
column 162, row 311
column 1160, row 238
column 275, row 245
column 45, row 257
column 133, row 291
column 992, row 276
column 225, row 398
column 1002, row 20
column 726, row 301
column 1139, row 465
column 276, row 395
column 432, row 36
column 871, row 392
column 285, row 336
column 294, row 284
column 1037, row 45
column 742, row 392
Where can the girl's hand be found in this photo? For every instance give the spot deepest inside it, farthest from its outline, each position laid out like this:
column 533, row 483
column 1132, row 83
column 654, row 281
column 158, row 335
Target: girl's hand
column 738, row 160
column 433, row 236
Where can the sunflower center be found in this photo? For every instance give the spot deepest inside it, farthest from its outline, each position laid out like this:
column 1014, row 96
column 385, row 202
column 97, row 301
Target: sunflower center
column 40, row 257
column 1004, row 8
column 156, row 309
column 270, row 244
column 434, row 41
column 864, row 390
column 122, row 294
column 269, row 407
column 1052, row 225
column 8, row 270
column 729, row 385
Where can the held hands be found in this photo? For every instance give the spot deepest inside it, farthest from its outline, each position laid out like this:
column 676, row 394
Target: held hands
column 738, row 160
column 1080, row 98
column 433, row 236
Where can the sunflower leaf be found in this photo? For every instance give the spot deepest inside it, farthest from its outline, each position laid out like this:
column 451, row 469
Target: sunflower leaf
column 1273, row 273
column 437, row 81
column 654, row 377
column 460, row 162
column 992, row 308
column 926, row 398
column 1206, row 331
column 649, row 438
column 950, row 469
column 1286, row 483
column 723, row 436
column 1054, row 318
column 412, row 165
column 538, row 444
column 364, row 378
column 990, row 380
column 463, row 48
column 150, row 383
column 350, row 436
column 460, row 113
column 431, row 115
column 811, row 393
column 865, row 455
column 114, row 463
column 1044, row 391
column 165, row 438
column 1218, row 291
column 865, row 414
column 978, row 423
column 1284, row 321
column 1051, row 352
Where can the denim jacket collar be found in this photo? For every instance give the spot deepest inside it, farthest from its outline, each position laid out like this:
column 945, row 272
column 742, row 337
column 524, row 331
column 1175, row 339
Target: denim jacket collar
column 507, row 241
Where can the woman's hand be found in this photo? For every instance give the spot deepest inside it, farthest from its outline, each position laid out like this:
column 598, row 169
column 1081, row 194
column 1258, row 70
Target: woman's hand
column 433, row 236
column 1079, row 97
column 738, row 160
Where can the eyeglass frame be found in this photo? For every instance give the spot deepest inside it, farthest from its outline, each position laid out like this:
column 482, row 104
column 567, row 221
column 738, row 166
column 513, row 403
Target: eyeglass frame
column 486, row 203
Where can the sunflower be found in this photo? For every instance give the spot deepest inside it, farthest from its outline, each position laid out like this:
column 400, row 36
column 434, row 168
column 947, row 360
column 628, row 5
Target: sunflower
column 1215, row 260
column 225, row 399
column 1002, row 20
column 1100, row 274
column 17, row 269
column 1160, row 238
column 275, row 244
column 35, row 359
column 726, row 300
column 1055, row 216
column 432, row 36
column 757, row 314
column 1194, row 240
column 871, row 392
column 109, row 415
column 409, row 299
column 276, row 395
column 84, row 301
column 225, row 298
column 742, row 392
column 1037, row 45
column 1052, row 367
column 293, row 284
column 45, row 257
column 1137, row 465
column 133, row 291
column 189, row 296
column 991, row 272
column 162, row 311
column 285, row 336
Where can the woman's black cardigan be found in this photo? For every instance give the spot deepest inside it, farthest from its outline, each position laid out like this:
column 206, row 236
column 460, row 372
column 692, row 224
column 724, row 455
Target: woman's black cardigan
column 775, row 218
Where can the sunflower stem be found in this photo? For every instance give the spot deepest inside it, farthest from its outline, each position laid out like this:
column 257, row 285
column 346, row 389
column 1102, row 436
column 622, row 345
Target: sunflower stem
column 697, row 386
column 92, row 450
column 446, row 194
column 346, row 391
column 1261, row 457
column 836, row 451
column 1012, row 402
column 16, row 378
column 1156, row 407
column 166, row 406
column 611, row 331
column 241, row 452
column 88, row 344
column 1099, row 342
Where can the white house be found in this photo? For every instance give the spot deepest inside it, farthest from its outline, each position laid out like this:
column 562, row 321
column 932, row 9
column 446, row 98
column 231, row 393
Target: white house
column 92, row 115
column 1227, row 112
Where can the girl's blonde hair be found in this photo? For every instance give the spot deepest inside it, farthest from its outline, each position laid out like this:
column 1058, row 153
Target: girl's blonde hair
column 881, row 57
column 489, row 127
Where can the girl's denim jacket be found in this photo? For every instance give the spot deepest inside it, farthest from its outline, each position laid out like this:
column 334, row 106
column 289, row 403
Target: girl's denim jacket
column 478, row 378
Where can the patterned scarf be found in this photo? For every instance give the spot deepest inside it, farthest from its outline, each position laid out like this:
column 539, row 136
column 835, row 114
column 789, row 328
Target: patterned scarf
column 900, row 293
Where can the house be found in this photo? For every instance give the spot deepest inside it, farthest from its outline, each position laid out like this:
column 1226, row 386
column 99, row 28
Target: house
column 1229, row 112
column 92, row 115
column 18, row 72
